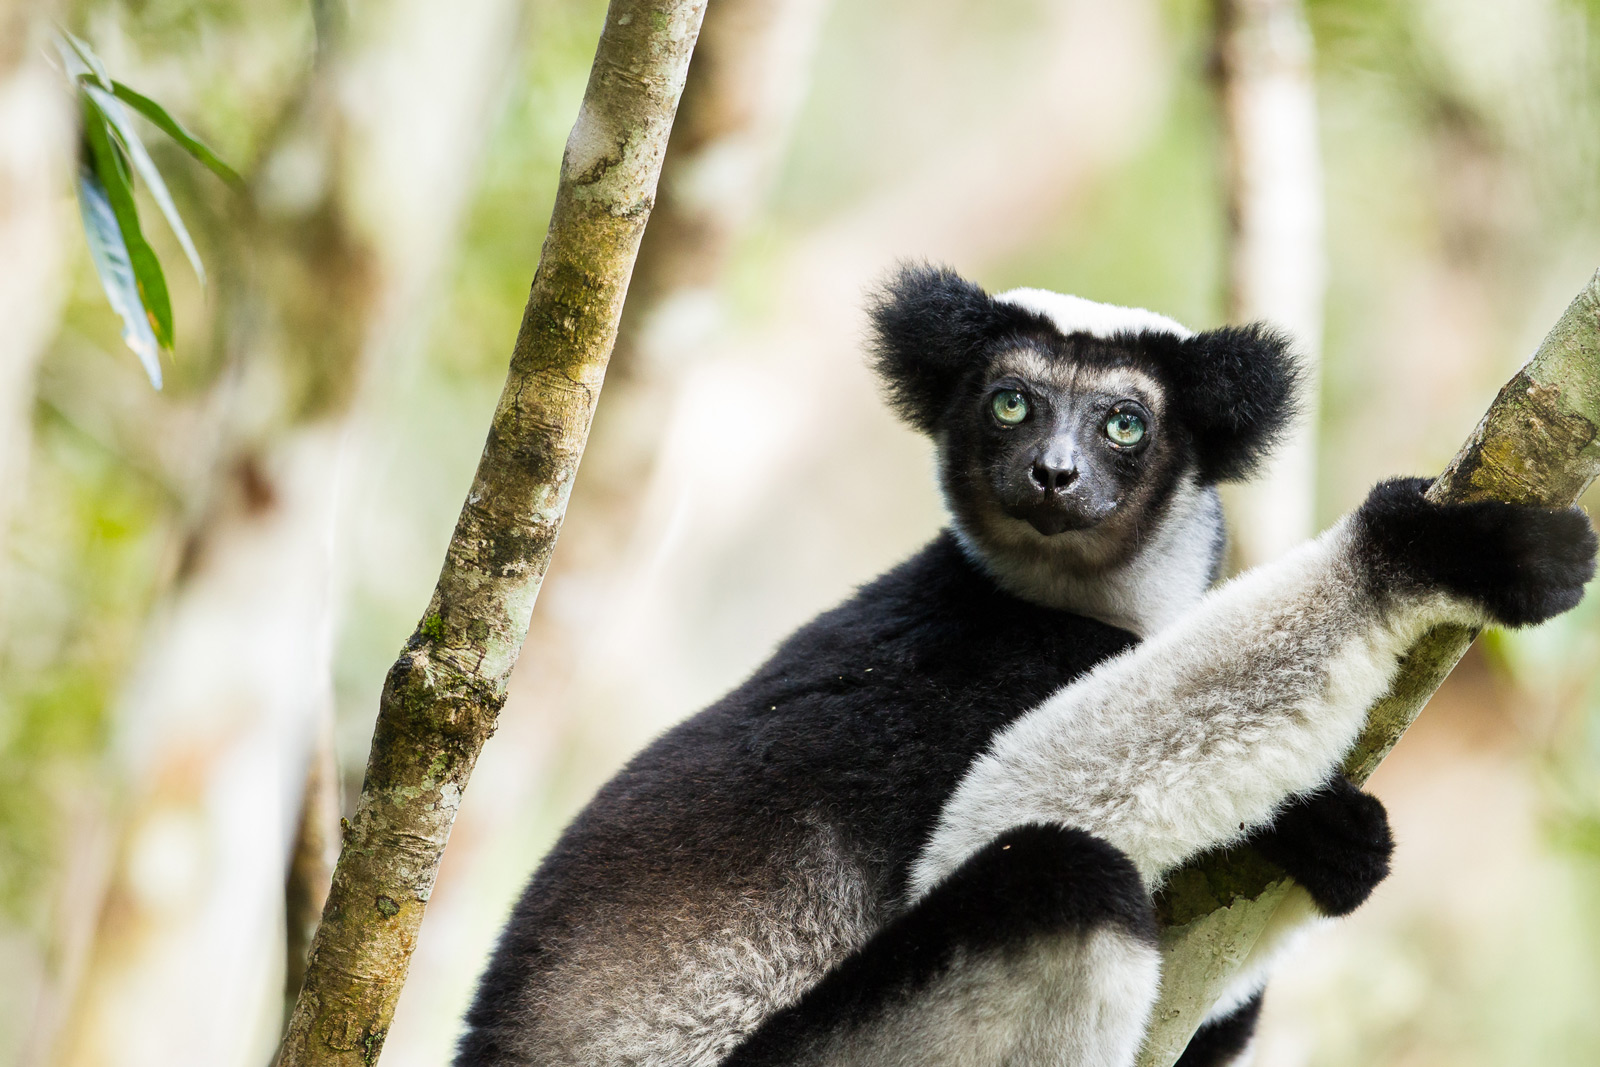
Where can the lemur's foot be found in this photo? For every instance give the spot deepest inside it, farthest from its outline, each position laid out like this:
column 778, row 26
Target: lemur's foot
column 1520, row 564
column 1335, row 842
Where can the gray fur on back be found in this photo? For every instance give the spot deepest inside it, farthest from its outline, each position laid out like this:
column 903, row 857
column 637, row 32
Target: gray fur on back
column 680, row 990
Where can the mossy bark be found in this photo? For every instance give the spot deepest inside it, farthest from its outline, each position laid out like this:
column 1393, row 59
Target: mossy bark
column 442, row 695
column 1536, row 445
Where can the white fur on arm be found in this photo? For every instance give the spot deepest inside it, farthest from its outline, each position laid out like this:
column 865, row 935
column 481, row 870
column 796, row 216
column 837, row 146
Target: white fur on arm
column 1182, row 743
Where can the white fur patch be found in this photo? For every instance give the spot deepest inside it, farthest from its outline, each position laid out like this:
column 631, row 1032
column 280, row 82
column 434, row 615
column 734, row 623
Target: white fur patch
column 1082, row 999
column 1074, row 314
column 1164, row 579
column 1187, row 740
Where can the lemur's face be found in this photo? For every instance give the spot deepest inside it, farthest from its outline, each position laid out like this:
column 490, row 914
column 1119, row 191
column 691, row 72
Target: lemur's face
column 1060, row 447
column 1065, row 442
column 1065, row 428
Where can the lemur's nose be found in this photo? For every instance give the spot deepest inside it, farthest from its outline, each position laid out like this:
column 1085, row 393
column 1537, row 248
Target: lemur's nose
column 1051, row 478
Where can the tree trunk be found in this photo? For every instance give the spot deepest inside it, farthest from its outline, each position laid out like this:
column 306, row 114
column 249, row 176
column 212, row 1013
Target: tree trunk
column 1273, row 176
column 1536, row 445
column 746, row 81
column 748, row 75
column 442, row 695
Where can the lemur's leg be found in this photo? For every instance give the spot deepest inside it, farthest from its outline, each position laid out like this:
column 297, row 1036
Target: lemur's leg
column 1190, row 739
column 1038, row 949
column 1336, row 843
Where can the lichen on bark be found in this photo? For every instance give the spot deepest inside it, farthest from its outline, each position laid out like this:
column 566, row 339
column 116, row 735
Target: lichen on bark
column 441, row 697
column 1535, row 445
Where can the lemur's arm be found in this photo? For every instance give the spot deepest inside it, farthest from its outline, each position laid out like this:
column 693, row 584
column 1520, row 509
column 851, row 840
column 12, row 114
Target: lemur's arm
column 1200, row 733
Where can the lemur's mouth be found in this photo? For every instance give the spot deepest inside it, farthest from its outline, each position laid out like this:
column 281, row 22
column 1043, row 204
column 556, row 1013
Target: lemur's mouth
column 1052, row 519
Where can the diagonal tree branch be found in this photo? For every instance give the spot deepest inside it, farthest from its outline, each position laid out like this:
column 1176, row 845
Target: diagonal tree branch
column 1536, row 445
column 442, row 695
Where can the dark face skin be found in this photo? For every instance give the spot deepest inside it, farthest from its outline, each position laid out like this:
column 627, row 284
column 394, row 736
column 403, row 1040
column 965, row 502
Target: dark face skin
column 1058, row 459
column 1044, row 451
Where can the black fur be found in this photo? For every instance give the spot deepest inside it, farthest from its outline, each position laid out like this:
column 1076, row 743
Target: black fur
column 1237, row 390
column 1219, row 1042
column 864, row 721
column 932, row 329
column 1335, row 842
column 1521, row 564
column 1029, row 883
column 1234, row 389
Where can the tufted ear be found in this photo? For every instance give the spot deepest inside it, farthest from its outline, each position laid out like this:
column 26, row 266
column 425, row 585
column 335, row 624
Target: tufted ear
column 1238, row 389
column 929, row 328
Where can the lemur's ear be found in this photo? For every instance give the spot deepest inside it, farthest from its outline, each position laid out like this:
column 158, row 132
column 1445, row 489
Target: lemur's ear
column 1238, row 389
column 929, row 325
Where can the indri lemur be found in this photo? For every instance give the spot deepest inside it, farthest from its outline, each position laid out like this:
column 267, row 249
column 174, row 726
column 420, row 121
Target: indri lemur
column 927, row 830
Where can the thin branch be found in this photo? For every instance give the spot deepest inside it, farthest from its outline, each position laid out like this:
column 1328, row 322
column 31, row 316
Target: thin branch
column 750, row 70
column 443, row 694
column 749, row 76
column 316, row 847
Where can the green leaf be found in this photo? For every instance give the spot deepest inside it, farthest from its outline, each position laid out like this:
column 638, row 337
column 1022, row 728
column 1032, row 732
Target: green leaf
column 84, row 55
column 77, row 69
column 117, row 116
column 188, row 141
column 115, row 268
column 114, row 178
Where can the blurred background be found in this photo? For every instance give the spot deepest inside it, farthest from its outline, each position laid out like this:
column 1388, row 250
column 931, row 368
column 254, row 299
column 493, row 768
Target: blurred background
column 201, row 588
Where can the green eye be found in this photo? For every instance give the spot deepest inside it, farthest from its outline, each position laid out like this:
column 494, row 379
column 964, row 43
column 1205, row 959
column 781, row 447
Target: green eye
column 1125, row 428
column 1010, row 407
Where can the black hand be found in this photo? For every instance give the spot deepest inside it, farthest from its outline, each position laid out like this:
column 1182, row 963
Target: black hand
column 1335, row 842
column 1521, row 564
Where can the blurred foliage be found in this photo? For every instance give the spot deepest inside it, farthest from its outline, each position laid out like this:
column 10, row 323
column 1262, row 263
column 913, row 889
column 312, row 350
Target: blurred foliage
column 100, row 534
column 78, row 593
column 920, row 64
column 1461, row 145
column 1152, row 234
